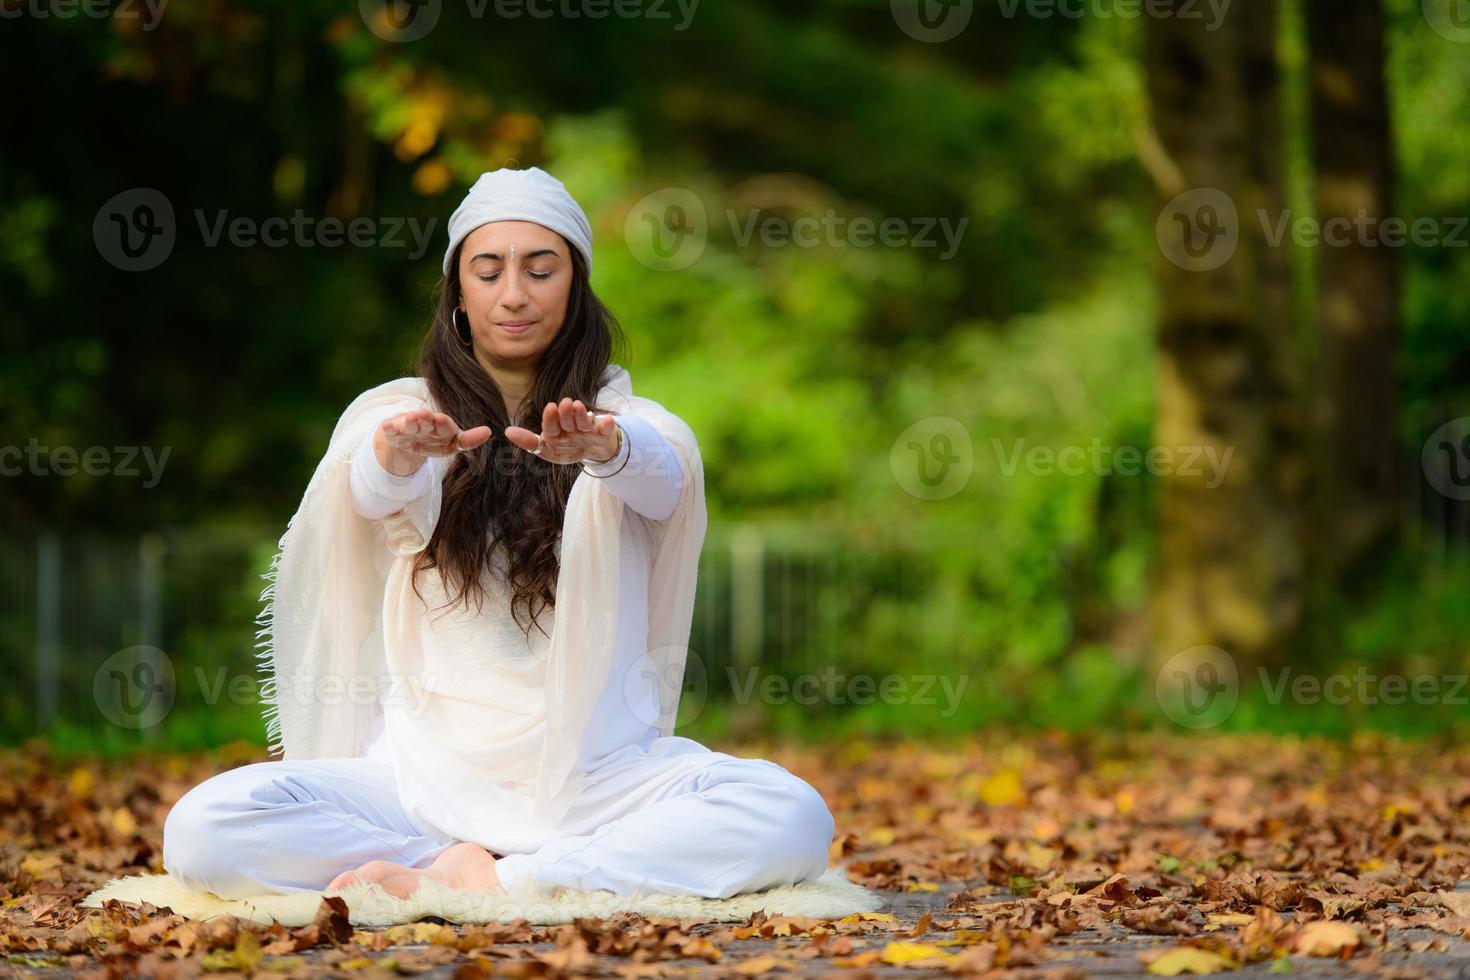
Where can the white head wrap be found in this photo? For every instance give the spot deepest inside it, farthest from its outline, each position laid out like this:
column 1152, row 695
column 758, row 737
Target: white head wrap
column 520, row 195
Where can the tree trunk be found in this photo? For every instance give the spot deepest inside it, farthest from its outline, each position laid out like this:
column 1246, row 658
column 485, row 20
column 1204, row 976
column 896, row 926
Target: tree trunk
column 1358, row 280
column 1229, row 564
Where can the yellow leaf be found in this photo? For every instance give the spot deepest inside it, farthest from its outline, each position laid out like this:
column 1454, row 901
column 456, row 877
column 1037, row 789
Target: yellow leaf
column 1002, row 788
column 902, row 951
column 757, row 966
column 1124, row 801
column 858, row 961
column 1189, row 959
column 80, row 783
column 1222, row 920
column 245, row 957
column 869, row 917
column 881, row 836
column 1041, row 857
column 124, row 822
column 432, row 176
column 1326, row 937
column 42, row 866
column 923, row 886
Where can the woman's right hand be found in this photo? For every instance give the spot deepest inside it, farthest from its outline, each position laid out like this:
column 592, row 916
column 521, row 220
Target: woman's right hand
column 403, row 442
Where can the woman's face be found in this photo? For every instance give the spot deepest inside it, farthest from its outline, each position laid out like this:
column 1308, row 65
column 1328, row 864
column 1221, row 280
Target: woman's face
column 514, row 280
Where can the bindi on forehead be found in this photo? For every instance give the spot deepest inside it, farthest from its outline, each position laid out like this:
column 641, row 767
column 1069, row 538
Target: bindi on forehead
column 525, row 256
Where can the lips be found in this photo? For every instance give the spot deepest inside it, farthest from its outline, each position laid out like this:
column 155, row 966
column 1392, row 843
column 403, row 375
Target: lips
column 518, row 326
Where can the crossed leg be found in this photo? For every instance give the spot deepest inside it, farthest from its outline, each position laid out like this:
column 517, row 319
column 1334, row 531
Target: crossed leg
column 287, row 826
column 732, row 826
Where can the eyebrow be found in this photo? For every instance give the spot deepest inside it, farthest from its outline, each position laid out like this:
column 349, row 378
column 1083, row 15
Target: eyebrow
column 529, row 255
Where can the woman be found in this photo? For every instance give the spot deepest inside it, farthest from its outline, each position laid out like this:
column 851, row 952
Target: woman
column 527, row 598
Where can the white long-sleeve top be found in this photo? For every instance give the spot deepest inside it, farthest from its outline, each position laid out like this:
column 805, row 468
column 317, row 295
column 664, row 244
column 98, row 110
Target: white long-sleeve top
column 456, row 639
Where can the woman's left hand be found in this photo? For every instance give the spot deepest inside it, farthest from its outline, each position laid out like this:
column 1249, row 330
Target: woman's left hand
column 569, row 434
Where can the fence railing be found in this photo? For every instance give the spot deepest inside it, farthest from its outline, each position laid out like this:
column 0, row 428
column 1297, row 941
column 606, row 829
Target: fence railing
column 86, row 619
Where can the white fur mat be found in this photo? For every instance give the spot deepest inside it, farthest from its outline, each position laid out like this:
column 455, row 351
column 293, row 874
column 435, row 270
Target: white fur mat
column 831, row 896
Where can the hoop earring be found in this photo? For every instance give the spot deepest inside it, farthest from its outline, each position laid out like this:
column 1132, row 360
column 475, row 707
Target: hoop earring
column 462, row 326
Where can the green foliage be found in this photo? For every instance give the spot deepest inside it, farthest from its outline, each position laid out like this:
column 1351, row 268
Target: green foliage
column 797, row 366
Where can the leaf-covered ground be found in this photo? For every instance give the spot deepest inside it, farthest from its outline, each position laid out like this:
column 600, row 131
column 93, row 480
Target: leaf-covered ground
column 1052, row 855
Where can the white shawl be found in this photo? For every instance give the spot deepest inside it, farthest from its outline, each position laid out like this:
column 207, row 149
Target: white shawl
column 321, row 648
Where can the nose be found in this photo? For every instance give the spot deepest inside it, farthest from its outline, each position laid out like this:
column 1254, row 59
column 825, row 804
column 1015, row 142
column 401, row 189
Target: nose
column 513, row 296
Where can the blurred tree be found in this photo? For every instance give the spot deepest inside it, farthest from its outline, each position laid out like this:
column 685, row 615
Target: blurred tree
column 1229, row 565
column 1358, row 294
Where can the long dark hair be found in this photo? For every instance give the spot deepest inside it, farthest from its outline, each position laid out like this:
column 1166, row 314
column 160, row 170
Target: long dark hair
column 499, row 496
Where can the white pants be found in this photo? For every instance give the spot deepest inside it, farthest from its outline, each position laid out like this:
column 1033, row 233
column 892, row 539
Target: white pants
column 733, row 826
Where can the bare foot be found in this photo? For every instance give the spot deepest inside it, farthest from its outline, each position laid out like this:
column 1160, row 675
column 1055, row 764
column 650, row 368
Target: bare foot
column 373, row 871
column 463, row 866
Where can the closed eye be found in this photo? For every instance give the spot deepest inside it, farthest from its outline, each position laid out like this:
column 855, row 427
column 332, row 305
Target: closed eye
column 533, row 275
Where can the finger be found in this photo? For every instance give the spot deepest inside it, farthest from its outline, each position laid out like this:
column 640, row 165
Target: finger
column 568, row 417
column 584, row 420
column 470, row 438
column 550, row 421
column 522, row 437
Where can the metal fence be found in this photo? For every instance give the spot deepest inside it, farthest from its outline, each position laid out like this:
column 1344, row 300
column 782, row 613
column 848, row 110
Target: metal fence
column 81, row 616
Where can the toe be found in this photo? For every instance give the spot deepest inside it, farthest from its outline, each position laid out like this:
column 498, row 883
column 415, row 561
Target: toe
column 401, row 885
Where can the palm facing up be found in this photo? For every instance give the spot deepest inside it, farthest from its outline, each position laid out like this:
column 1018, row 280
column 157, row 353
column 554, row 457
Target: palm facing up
column 569, row 434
